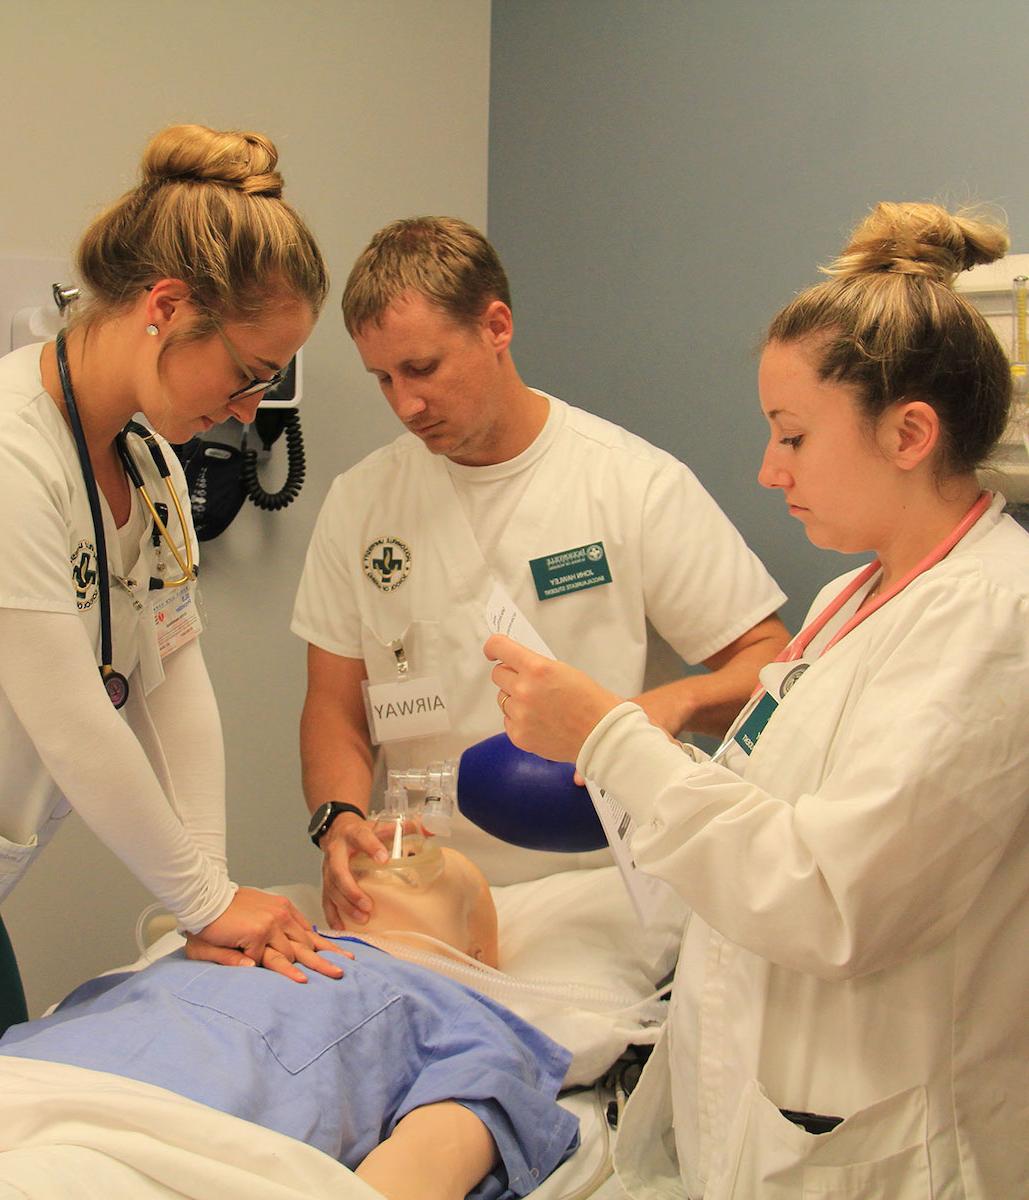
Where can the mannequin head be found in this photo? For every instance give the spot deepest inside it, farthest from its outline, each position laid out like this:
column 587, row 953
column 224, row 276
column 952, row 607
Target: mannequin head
column 440, row 893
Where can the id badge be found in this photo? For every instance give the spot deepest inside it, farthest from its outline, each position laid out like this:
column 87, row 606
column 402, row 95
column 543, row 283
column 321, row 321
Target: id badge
column 410, row 707
column 776, row 678
column 570, row 570
column 176, row 618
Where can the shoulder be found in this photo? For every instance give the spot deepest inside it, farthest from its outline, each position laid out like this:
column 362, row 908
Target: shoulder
column 988, row 570
column 20, row 380
column 614, row 458
column 999, row 556
column 34, row 441
column 599, row 434
column 974, row 603
column 379, row 468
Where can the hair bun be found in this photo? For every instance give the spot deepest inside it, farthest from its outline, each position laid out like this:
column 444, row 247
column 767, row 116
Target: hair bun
column 194, row 153
column 920, row 239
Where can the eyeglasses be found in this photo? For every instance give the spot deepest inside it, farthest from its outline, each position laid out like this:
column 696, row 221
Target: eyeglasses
column 253, row 385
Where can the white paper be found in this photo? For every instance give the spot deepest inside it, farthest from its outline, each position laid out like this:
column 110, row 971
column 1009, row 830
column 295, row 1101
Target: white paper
column 504, row 616
column 648, row 894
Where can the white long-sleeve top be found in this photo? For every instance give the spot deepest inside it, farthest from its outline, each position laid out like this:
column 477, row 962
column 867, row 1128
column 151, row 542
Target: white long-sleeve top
column 860, row 897
column 149, row 780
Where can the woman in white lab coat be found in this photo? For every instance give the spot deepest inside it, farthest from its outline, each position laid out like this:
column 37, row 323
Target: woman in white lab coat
column 849, row 1017
column 202, row 284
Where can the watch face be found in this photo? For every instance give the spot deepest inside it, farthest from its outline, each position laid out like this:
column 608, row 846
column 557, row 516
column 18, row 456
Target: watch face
column 318, row 819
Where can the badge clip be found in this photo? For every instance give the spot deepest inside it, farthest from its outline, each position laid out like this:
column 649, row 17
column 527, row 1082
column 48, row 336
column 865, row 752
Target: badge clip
column 403, row 666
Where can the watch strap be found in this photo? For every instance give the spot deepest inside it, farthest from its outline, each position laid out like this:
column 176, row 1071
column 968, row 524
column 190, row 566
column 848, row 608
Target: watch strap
column 336, row 808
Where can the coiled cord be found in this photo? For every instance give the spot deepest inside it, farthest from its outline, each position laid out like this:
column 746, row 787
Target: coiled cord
column 295, row 470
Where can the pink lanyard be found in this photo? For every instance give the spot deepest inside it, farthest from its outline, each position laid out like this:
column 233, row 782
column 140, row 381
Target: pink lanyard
column 800, row 643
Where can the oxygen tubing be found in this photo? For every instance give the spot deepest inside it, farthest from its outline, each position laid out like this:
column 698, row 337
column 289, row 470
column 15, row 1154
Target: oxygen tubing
column 494, row 983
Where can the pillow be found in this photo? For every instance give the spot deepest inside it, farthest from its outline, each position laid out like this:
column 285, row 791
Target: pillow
column 578, row 929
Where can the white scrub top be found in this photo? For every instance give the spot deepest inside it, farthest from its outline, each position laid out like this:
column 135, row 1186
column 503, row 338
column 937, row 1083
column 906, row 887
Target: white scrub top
column 860, row 897
column 673, row 557
column 48, row 564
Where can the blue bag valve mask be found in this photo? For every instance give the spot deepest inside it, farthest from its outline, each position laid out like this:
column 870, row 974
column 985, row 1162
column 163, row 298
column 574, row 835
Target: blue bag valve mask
column 516, row 796
column 526, row 800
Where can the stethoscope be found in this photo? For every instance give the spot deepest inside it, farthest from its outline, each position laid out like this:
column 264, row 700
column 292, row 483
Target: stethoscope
column 116, row 685
column 938, row 553
column 796, row 648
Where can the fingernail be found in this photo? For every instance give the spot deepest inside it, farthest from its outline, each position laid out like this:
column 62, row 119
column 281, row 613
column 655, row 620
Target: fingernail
column 381, row 856
column 247, row 962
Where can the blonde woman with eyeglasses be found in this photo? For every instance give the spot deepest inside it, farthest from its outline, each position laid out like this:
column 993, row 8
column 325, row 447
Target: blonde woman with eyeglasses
column 201, row 285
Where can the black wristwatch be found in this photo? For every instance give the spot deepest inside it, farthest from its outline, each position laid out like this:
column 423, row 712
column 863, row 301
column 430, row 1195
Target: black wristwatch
column 323, row 817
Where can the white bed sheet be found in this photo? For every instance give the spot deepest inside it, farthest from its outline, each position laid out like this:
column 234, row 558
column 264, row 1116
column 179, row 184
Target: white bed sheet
column 69, row 1131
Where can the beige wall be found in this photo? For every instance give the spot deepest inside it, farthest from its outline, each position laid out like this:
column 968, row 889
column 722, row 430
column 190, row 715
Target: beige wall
column 379, row 109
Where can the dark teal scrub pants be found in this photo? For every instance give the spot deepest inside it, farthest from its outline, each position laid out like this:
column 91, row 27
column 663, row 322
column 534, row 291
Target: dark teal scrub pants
column 12, row 996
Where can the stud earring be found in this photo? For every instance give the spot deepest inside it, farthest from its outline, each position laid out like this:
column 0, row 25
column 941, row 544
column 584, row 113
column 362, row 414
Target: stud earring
column 152, row 330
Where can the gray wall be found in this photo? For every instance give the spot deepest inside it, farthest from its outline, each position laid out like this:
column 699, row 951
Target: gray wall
column 372, row 122
column 665, row 174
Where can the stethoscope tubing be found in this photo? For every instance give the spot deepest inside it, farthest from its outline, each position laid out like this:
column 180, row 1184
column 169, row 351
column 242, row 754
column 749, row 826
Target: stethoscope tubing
column 116, row 684
column 92, row 492
column 186, row 566
column 795, row 649
column 939, row 552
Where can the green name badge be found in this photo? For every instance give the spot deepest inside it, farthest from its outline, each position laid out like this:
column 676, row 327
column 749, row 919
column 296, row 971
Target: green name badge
column 752, row 728
column 570, row 570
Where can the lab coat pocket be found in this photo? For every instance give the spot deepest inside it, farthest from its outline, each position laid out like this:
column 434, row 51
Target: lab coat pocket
column 16, row 857
column 877, row 1153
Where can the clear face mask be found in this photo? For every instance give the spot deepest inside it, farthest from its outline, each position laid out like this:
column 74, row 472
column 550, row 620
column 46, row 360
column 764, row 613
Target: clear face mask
column 402, row 825
column 414, row 862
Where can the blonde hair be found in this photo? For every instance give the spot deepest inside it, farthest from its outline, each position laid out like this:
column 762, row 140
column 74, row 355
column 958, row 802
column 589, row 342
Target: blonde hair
column 444, row 259
column 208, row 210
column 889, row 323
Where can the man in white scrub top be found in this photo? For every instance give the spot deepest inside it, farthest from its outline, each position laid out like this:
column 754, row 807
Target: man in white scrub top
column 590, row 530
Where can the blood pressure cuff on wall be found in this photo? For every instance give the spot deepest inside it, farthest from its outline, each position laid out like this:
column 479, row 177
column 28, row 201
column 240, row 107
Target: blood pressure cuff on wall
column 214, row 473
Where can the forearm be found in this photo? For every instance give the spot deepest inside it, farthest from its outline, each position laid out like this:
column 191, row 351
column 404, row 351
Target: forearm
column 185, row 715
column 708, row 703
column 336, row 757
column 98, row 763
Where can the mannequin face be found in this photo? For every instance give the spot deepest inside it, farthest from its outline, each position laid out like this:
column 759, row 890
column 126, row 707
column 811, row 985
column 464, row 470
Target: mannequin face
column 453, row 904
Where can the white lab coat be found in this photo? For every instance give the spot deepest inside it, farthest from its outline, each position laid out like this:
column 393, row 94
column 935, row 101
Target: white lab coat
column 858, row 942
column 674, row 559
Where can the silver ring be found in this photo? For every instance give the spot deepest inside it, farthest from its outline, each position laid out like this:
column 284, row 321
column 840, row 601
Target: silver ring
column 504, row 697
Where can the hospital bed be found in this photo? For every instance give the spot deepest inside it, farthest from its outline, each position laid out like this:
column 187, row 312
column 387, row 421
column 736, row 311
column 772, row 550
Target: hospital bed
column 574, row 961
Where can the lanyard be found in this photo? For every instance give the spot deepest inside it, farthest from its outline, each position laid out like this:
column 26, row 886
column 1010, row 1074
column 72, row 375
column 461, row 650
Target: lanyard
column 116, row 684
column 803, row 639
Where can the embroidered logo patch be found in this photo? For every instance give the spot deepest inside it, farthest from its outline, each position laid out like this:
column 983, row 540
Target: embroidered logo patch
column 387, row 563
column 84, row 574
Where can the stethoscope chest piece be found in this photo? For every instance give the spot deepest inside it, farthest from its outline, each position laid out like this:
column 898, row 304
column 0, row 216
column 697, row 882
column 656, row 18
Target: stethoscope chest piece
column 116, row 686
